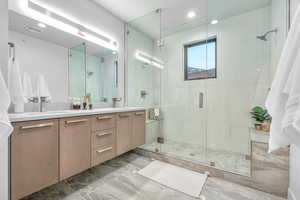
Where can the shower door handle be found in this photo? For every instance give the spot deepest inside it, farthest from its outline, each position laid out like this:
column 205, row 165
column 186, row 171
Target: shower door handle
column 201, row 102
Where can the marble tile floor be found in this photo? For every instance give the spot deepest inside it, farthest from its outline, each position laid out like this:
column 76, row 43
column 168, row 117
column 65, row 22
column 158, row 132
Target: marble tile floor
column 118, row 180
column 227, row 161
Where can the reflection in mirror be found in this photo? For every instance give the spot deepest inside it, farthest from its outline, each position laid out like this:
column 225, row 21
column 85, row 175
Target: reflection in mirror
column 77, row 81
column 72, row 66
column 101, row 76
column 93, row 72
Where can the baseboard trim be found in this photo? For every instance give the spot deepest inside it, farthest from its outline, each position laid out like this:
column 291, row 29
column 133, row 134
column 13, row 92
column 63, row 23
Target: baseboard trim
column 291, row 195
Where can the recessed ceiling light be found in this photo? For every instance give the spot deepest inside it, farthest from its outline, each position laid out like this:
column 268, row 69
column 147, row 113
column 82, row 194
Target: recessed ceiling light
column 41, row 25
column 191, row 14
column 215, row 21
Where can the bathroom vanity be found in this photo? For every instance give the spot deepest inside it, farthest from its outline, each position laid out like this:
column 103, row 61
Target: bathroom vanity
column 50, row 147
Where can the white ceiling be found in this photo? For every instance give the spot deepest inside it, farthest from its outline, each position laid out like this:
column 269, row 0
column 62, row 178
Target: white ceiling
column 129, row 10
column 141, row 13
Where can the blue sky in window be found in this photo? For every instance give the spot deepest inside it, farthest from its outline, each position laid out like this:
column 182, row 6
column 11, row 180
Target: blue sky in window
column 197, row 56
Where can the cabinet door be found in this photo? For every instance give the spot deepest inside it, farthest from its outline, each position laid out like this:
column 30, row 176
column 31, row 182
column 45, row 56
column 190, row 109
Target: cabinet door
column 138, row 130
column 75, row 146
column 124, row 132
column 34, row 157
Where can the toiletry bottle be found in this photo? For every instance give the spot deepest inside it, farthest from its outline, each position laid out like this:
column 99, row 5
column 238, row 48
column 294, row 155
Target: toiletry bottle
column 84, row 103
column 90, row 102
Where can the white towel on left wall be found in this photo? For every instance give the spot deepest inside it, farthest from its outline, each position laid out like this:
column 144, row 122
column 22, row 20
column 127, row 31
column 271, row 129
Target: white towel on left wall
column 15, row 85
column 5, row 131
column 27, row 86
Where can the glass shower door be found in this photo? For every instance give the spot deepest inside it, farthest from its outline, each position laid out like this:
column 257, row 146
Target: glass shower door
column 183, row 84
column 144, row 68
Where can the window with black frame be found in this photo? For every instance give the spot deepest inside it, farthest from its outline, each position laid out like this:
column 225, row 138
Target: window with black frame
column 200, row 60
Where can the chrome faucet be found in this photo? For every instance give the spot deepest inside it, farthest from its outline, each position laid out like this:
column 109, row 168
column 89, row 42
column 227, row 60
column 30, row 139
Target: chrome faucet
column 115, row 101
column 41, row 100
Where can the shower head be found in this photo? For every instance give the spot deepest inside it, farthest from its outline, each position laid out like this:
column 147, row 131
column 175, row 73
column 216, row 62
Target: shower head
column 264, row 36
column 90, row 73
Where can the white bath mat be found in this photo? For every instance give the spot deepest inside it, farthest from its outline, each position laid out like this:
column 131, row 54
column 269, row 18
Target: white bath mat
column 177, row 178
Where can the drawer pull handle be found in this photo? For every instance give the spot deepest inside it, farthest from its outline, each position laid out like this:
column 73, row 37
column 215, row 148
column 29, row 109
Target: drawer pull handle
column 139, row 113
column 103, row 134
column 124, row 116
column 104, row 150
column 76, row 121
column 37, row 126
column 104, row 118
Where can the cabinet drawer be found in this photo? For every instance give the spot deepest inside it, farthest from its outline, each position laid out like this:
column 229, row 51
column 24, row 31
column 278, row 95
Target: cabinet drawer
column 103, row 138
column 103, row 122
column 100, row 155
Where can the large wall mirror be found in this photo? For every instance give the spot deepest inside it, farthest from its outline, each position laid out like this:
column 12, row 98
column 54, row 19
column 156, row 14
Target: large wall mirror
column 71, row 65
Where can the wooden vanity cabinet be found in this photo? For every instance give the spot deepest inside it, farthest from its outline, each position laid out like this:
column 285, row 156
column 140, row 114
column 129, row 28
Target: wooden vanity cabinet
column 124, row 132
column 34, row 157
column 75, row 146
column 47, row 151
column 138, row 129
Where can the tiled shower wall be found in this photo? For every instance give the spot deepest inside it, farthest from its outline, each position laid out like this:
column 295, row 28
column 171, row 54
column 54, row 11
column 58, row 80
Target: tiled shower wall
column 242, row 82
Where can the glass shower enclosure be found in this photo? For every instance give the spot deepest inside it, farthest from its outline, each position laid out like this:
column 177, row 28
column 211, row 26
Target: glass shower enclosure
column 200, row 77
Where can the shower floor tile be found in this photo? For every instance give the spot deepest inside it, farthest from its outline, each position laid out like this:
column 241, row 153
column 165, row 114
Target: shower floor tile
column 228, row 161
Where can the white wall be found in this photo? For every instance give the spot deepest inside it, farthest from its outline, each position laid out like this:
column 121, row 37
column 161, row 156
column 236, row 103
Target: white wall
column 40, row 57
column 3, row 36
column 294, row 190
column 91, row 14
column 243, row 62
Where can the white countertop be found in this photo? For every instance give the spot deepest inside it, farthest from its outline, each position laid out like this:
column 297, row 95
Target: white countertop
column 30, row 116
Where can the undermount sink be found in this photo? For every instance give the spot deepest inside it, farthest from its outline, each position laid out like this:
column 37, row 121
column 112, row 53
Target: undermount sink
column 44, row 113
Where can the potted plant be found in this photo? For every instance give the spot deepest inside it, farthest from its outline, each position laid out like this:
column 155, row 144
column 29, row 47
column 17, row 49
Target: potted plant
column 262, row 118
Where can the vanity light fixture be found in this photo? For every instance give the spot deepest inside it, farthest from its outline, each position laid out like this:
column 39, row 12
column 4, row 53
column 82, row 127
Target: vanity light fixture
column 42, row 25
column 191, row 14
column 148, row 59
column 52, row 17
column 213, row 22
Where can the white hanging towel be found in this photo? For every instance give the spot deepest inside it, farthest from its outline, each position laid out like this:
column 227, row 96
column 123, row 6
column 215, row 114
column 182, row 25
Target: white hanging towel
column 283, row 99
column 5, row 131
column 42, row 88
column 27, row 84
column 15, row 86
